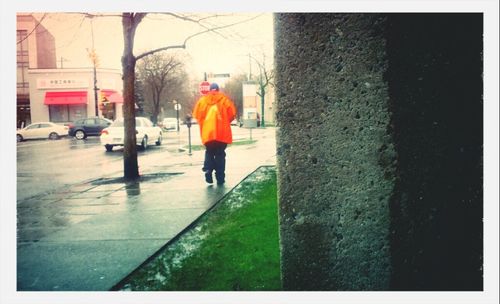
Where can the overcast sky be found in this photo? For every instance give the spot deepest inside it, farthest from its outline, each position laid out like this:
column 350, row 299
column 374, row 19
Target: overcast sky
column 223, row 52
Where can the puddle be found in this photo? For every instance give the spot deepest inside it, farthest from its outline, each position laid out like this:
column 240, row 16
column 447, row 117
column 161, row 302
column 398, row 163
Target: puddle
column 152, row 178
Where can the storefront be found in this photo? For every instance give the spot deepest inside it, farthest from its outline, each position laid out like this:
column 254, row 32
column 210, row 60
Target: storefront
column 65, row 95
column 110, row 102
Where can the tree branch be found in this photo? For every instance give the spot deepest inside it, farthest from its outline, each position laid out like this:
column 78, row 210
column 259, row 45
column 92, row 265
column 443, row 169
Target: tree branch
column 218, row 28
column 198, row 21
column 183, row 46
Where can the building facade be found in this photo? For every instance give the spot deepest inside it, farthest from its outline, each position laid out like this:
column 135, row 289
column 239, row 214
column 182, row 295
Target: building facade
column 65, row 95
column 35, row 50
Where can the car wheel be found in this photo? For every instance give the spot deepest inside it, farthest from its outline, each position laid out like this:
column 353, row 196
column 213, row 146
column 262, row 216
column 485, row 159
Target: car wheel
column 144, row 143
column 19, row 138
column 53, row 136
column 109, row 148
column 160, row 139
column 80, row 134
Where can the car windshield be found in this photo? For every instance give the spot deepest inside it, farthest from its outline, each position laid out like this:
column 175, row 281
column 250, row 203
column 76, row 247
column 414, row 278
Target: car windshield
column 119, row 123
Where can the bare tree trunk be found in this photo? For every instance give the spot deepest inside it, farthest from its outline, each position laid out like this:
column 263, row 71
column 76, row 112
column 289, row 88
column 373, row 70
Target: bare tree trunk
column 130, row 164
column 156, row 105
column 262, row 100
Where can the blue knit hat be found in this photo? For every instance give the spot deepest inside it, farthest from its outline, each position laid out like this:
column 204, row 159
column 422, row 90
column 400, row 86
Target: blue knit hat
column 214, row 86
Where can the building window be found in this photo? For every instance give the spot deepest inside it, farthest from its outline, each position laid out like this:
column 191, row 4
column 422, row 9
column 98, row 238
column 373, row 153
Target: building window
column 67, row 113
column 22, row 46
column 22, row 62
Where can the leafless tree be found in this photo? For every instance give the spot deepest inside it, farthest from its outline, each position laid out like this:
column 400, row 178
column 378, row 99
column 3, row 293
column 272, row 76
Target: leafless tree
column 158, row 72
column 264, row 78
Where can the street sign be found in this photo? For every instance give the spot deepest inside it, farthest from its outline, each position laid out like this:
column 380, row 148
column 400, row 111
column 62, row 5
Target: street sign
column 249, row 123
column 177, row 107
column 226, row 75
column 204, row 87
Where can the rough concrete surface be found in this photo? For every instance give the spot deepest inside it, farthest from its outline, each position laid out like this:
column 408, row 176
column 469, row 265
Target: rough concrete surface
column 335, row 156
column 380, row 151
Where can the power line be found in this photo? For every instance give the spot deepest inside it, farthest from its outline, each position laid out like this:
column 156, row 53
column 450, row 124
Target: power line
column 36, row 26
column 74, row 35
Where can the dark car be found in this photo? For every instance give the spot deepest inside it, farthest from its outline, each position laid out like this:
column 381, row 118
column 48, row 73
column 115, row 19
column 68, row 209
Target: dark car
column 82, row 128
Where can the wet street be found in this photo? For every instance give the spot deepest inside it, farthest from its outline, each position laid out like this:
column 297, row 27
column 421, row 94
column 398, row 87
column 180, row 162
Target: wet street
column 46, row 165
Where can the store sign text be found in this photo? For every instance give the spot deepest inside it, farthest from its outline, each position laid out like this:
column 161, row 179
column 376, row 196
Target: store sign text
column 63, row 83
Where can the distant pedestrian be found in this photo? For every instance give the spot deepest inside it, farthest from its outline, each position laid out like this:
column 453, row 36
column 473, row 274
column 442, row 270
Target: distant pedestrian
column 214, row 113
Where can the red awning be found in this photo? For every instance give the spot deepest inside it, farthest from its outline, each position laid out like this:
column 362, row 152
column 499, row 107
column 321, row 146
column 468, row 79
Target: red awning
column 116, row 98
column 65, row 98
column 112, row 96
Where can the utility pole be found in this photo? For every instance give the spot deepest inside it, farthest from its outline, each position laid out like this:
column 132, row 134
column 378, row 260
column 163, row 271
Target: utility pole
column 95, row 93
column 62, row 60
column 250, row 66
column 93, row 57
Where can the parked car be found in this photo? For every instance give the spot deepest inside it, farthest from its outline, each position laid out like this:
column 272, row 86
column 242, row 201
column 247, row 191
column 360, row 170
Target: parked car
column 38, row 130
column 145, row 132
column 84, row 127
column 169, row 123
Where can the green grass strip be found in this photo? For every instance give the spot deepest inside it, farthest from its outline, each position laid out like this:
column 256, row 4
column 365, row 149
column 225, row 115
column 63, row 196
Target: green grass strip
column 233, row 247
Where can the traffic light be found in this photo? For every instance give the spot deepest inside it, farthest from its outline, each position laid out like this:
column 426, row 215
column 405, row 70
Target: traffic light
column 94, row 58
column 103, row 100
column 102, row 97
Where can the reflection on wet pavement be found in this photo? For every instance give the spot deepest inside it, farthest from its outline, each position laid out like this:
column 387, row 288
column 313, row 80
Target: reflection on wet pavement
column 43, row 215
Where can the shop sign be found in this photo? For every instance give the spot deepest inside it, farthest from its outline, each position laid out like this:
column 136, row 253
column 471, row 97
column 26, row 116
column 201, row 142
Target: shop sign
column 61, row 83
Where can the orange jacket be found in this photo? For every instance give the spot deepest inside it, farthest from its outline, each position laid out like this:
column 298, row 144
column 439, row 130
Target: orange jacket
column 215, row 123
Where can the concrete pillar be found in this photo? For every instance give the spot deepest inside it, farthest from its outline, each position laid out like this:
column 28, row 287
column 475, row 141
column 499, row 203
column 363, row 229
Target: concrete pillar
column 335, row 155
column 380, row 151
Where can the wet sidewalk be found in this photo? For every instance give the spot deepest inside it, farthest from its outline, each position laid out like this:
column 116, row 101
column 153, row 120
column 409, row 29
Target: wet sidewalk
column 89, row 236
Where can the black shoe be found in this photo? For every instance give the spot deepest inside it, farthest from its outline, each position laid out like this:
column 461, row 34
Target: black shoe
column 208, row 178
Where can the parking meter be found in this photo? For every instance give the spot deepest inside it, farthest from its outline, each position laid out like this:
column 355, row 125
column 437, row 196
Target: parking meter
column 188, row 124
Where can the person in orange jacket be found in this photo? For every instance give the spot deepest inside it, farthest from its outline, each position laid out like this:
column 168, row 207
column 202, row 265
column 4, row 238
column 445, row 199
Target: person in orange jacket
column 214, row 113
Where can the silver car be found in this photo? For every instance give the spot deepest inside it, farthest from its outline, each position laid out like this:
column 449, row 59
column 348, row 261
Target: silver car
column 169, row 123
column 39, row 130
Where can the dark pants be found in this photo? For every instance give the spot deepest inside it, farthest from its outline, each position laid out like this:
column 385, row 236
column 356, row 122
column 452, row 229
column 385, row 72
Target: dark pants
column 215, row 159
